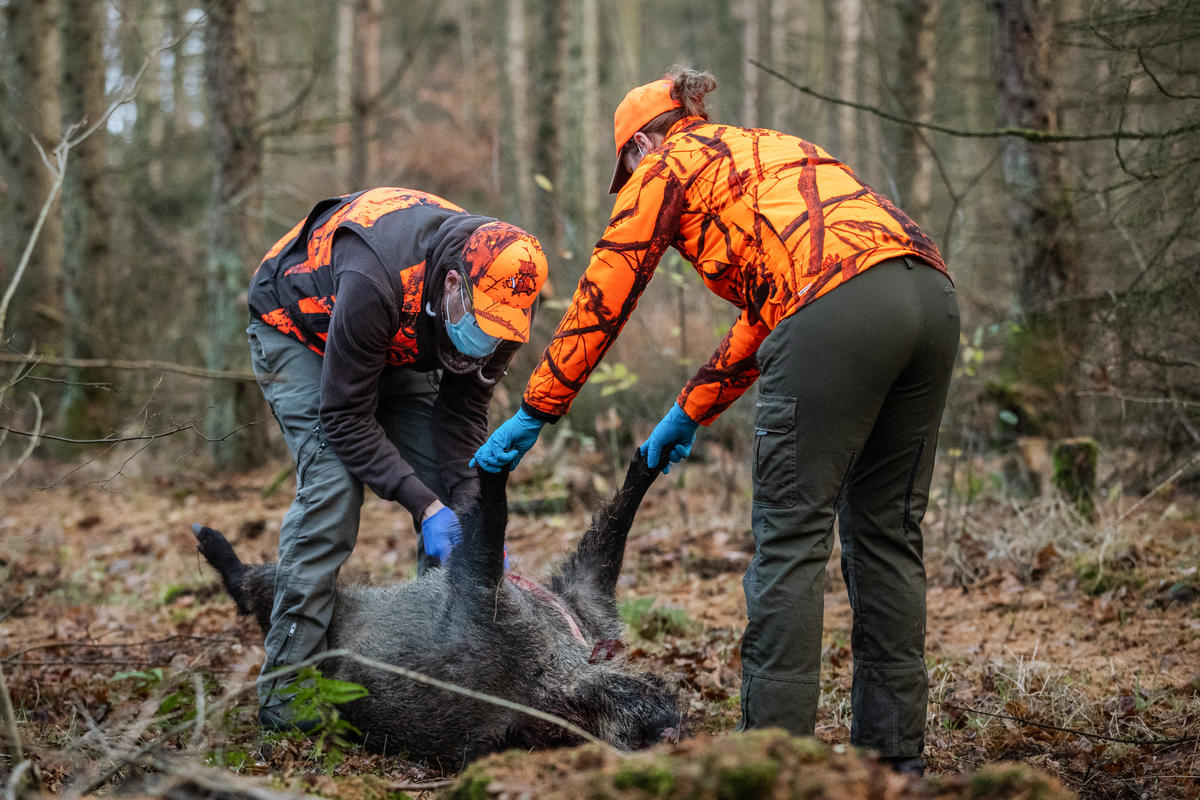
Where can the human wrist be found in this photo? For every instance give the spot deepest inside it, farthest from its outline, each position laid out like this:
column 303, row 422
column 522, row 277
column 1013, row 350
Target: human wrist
column 679, row 416
column 432, row 509
column 527, row 420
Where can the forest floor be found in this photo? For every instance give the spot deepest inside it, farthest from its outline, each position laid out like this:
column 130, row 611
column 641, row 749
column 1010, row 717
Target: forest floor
column 1070, row 647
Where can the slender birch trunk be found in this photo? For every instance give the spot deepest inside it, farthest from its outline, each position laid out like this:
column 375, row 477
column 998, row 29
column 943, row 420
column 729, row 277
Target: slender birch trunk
column 85, row 213
column 233, row 238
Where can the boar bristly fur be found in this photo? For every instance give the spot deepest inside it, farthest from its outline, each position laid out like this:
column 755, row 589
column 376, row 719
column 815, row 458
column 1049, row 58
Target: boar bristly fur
column 467, row 624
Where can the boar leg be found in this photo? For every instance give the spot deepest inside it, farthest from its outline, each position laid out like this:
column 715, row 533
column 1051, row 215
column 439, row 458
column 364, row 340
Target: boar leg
column 602, row 549
column 252, row 588
column 479, row 561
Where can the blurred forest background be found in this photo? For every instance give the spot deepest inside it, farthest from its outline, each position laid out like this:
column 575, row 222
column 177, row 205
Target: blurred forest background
column 154, row 149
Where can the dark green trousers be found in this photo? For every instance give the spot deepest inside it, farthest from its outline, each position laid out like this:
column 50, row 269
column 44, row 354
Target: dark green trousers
column 851, row 393
column 320, row 529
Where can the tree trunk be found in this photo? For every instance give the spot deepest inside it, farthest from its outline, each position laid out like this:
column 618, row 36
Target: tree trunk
column 1075, row 473
column 750, row 73
column 787, row 53
column 629, row 39
column 850, row 58
column 550, row 98
column 1039, row 204
column 914, row 61
column 176, row 122
column 364, row 158
column 343, row 92
column 232, row 231
column 29, row 107
column 593, row 180
column 1042, row 244
column 467, row 45
column 517, row 72
column 142, row 34
column 85, row 213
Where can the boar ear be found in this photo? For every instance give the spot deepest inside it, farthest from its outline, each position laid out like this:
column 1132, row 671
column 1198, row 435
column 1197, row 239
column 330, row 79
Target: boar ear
column 602, row 548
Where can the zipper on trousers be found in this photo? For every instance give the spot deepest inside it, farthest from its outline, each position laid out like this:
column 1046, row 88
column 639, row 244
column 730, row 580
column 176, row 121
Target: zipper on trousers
column 912, row 479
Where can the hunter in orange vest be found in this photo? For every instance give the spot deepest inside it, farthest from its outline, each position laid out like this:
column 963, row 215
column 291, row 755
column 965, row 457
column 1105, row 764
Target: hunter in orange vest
column 379, row 326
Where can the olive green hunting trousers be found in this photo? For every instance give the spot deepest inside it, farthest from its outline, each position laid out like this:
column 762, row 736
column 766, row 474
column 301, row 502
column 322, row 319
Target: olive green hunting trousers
column 851, row 393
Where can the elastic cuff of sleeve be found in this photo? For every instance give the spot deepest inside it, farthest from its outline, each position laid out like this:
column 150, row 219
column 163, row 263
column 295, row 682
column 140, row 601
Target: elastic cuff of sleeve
column 540, row 416
column 415, row 496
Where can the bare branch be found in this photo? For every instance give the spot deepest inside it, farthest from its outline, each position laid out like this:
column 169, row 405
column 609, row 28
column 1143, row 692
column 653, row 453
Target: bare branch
column 119, row 439
column 72, row 137
column 999, row 133
column 33, row 440
column 59, row 173
column 1150, row 73
column 116, row 363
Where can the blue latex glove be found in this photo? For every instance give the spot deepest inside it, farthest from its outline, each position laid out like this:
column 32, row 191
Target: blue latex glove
column 671, row 438
column 508, row 443
column 441, row 533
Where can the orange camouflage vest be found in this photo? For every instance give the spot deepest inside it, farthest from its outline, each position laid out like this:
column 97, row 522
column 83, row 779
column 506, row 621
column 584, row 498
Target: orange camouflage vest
column 293, row 288
column 770, row 222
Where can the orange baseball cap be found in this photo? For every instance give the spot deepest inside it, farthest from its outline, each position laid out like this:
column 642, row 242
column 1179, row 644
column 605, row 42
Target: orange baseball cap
column 640, row 105
column 506, row 268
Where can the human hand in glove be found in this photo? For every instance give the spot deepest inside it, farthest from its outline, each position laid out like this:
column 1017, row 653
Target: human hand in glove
column 508, row 443
column 671, row 440
column 440, row 531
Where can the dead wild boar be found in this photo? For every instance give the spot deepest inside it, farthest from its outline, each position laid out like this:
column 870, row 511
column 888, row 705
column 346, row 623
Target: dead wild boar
column 548, row 647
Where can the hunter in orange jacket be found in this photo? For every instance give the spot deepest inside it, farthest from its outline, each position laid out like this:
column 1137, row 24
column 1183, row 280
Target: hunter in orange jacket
column 849, row 325
column 770, row 222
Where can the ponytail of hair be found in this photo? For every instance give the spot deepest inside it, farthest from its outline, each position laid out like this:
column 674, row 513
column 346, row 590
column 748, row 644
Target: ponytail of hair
column 690, row 87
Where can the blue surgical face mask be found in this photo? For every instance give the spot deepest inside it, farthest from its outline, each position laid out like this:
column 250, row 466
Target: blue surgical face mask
column 466, row 335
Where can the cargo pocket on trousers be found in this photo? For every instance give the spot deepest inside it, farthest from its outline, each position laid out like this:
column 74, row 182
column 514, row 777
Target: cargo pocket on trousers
column 775, row 451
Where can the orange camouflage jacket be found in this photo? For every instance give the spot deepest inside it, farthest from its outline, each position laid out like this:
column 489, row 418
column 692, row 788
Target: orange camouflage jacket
column 770, row 222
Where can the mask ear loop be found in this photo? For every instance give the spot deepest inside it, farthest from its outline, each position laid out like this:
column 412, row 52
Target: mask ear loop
column 462, row 297
column 486, row 381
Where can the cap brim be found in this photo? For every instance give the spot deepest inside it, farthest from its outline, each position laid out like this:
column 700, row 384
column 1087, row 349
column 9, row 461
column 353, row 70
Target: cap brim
column 500, row 320
column 620, row 176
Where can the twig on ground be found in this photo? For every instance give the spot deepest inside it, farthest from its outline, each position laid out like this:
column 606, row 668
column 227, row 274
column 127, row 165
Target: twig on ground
column 421, row 786
column 15, row 607
column 1073, row 731
column 1110, row 529
column 145, row 752
column 78, row 643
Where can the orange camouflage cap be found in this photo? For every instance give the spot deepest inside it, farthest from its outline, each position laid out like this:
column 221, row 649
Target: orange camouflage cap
column 506, row 269
column 640, row 105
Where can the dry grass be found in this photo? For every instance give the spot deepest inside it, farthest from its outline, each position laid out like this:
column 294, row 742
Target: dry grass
column 1023, row 638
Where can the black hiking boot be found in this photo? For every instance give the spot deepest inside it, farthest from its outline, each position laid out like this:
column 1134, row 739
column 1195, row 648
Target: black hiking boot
column 906, row 765
column 280, row 717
